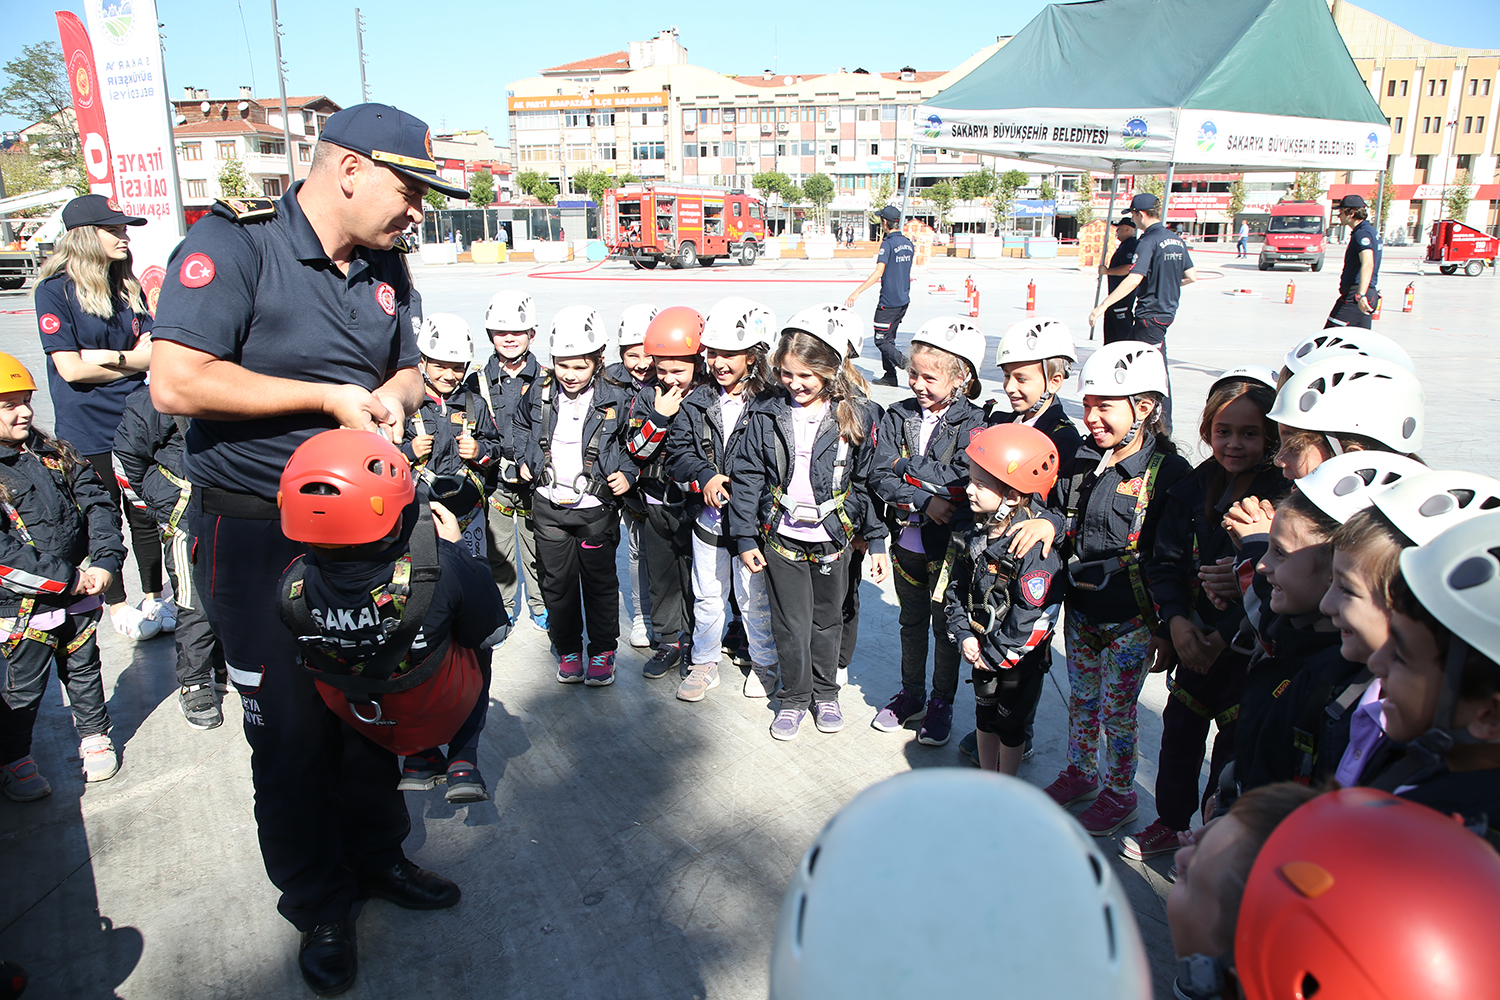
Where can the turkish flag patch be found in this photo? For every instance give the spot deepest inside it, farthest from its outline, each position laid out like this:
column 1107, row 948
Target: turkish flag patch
column 386, row 296
column 49, row 323
column 197, row 270
column 1034, row 587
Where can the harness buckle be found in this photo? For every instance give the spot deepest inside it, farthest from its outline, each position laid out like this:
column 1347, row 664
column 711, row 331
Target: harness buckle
column 807, row 513
column 354, row 710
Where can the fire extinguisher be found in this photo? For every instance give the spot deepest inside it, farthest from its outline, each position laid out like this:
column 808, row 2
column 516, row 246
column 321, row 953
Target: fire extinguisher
column 1291, row 291
column 1379, row 301
column 1411, row 298
column 1031, row 295
column 974, row 303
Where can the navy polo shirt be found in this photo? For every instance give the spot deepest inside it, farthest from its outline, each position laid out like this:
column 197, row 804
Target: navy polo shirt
column 896, row 253
column 87, row 415
column 264, row 295
column 1124, row 254
column 1160, row 258
column 1362, row 237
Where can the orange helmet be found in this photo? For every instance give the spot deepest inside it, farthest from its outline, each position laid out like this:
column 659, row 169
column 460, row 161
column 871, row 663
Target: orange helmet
column 676, row 332
column 344, row 487
column 1019, row 456
column 1370, row 897
column 14, row 376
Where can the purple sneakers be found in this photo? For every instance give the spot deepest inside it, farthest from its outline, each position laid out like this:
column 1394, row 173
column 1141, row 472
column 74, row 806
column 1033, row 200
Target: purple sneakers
column 827, row 716
column 570, row 668
column 938, row 724
column 601, row 669
column 900, row 710
column 787, row 724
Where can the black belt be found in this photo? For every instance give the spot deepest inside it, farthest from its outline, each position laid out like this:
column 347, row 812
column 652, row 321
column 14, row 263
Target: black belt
column 222, row 503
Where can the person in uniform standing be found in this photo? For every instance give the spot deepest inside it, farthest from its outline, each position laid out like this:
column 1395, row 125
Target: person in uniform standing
column 1358, row 291
column 893, row 271
column 278, row 321
column 1121, row 316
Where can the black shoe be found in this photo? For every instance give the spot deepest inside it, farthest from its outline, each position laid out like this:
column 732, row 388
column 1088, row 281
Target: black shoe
column 1029, row 752
column 666, row 659
column 887, row 379
column 969, row 748
column 409, row 887
column 328, row 959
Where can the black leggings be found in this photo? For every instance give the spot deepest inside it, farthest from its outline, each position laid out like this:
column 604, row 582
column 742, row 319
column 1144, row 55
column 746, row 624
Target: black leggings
column 145, row 535
column 1005, row 700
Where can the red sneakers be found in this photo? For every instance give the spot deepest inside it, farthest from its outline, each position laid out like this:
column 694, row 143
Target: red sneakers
column 601, row 669
column 1154, row 841
column 1109, row 812
column 1072, row 786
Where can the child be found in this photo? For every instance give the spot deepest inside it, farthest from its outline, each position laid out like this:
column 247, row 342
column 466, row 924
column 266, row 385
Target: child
column 572, row 437
column 1114, row 503
column 1342, row 403
column 1206, row 686
column 1440, row 675
column 149, row 453
column 674, row 340
column 1328, row 343
column 801, row 491
column 701, row 445
column 504, row 382
column 1000, row 610
column 632, row 372
column 353, row 600
column 57, row 517
column 451, row 439
column 920, row 471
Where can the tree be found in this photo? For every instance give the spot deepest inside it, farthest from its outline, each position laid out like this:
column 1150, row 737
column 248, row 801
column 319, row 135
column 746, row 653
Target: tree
column 819, row 190
column 546, row 192
column 482, row 194
column 435, row 199
column 980, row 184
column 36, row 91
column 1046, row 191
column 1308, row 186
column 1237, row 194
column 1011, row 182
column 25, row 172
column 1084, row 213
column 233, row 181
column 1456, row 199
column 1385, row 198
column 881, row 197
column 529, row 180
column 1153, row 184
column 942, row 195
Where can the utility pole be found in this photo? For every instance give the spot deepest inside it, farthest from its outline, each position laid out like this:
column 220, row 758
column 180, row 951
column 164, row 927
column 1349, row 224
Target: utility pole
column 286, row 129
column 359, row 36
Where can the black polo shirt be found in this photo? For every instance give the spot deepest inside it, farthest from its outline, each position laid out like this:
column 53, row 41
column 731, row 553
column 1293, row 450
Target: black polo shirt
column 1124, row 254
column 1362, row 237
column 264, row 295
column 896, row 253
column 1160, row 258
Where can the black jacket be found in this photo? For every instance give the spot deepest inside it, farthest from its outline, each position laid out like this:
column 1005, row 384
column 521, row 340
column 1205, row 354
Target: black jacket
column 505, row 394
column 445, row 420
column 906, row 478
column 697, row 445
column 146, row 443
column 604, row 427
column 1298, row 730
column 1025, row 610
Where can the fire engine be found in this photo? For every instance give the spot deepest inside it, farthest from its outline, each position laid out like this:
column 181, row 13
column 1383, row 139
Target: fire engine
column 682, row 225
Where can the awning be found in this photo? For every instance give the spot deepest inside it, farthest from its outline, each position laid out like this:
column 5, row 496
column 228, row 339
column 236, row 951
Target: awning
column 1182, row 214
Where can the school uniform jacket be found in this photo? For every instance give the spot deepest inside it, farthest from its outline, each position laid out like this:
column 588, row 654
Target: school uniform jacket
column 146, row 443
column 507, row 393
column 700, row 421
column 608, row 419
column 645, row 441
column 906, row 478
column 1027, row 608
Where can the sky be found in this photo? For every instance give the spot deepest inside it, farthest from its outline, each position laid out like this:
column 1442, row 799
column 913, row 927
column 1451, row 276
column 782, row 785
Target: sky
column 450, row 64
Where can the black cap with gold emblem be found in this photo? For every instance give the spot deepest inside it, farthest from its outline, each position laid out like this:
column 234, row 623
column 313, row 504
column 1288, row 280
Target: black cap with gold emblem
column 391, row 138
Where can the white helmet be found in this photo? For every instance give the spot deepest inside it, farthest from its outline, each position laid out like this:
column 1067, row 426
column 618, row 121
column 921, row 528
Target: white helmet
column 576, row 331
column 1322, row 344
column 1124, row 368
column 510, row 310
column 1264, row 374
column 955, row 335
column 1346, row 484
column 633, row 323
column 1036, row 340
column 446, row 337
column 1424, row 506
column 736, row 324
column 1046, row 916
column 1356, row 394
column 836, row 326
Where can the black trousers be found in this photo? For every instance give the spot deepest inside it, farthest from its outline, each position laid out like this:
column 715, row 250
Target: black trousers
column 1119, row 320
column 26, row 670
column 667, row 541
column 919, row 615
column 887, row 322
column 200, row 657
column 145, row 534
column 850, row 637
column 325, row 797
column 807, row 620
column 1184, row 732
column 1153, row 331
column 1346, row 311
column 575, row 549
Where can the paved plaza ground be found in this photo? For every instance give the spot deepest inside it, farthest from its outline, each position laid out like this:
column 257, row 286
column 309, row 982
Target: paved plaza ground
column 637, row 846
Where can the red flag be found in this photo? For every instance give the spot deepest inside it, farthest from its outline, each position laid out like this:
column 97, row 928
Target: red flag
column 88, row 106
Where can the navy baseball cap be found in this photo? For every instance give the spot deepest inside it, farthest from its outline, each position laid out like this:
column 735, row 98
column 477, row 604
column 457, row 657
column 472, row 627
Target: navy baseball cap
column 1127, row 221
column 1351, row 201
column 891, row 213
column 391, row 138
column 1145, row 203
column 97, row 210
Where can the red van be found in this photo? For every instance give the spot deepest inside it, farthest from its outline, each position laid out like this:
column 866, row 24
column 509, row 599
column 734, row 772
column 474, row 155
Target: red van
column 1294, row 235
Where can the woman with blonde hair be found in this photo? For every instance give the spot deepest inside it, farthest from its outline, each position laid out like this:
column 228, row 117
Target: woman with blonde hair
column 96, row 331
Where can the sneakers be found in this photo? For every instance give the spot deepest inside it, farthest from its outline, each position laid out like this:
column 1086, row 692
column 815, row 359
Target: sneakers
column 132, row 623
column 1109, row 812
column 421, row 772
column 570, row 668
column 734, row 637
column 761, row 682
column 968, row 748
column 640, row 636
column 164, row 613
column 1072, row 786
column 539, row 622
column 666, row 659
column 703, row 678
column 1028, row 751
column 787, row 724
column 100, row 762
column 828, row 716
column 1154, row 841
column 601, row 671
column 200, row 707
column 938, row 724
column 22, row 782
column 886, row 379
column 465, row 784
column 841, row 676
column 900, row 710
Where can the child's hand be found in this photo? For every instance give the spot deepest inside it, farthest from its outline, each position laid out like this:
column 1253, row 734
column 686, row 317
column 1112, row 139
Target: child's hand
column 1030, row 532
column 753, row 560
column 1251, row 516
column 668, row 401
column 467, row 447
column 858, row 544
column 1220, row 582
column 619, row 483
column 421, row 445
column 1159, row 655
column 716, row 493
column 970, row 649
column 1194, row 649
column 445, row 523
column 880, row 567
column 93, row 581
column 525, row 472
column 940, row 510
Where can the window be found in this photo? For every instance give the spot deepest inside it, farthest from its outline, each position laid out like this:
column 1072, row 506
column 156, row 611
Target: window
column 887, row 112
column 1426, row 125
column 702, row 116
column 536, row 154
column 731, row 149
column 781, row 149
column 1485, row 90
column 738, row 209
column 536, row 119
column 606, row 151
column 1431, row 88
column 782, row 116
column 1403, row 87
column 796, row 114
column 1479, row 123
column 272, row 187
column 1390, row 89
column 575, row 119
column 1468, row 124
column 768, row 149
column 197, row 189
column 702, row 150
column 604, row 118
column 755, row 211
column 578, row 152
column 648, row 151
column 1397, row 126
column 1474, row 87
column 874, row 149
column 304, row 152
column 1442, row 88
column 1437, row 88
column 1465, row 162
column 273, row 147
column 729, row 116
column 822, row 114
column 192, row 151
column 226, row 149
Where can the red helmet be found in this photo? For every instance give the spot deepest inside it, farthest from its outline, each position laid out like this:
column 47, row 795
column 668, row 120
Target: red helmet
column 676, row 332
column 1369, row 896
column 1019, row 456
column 344, row 487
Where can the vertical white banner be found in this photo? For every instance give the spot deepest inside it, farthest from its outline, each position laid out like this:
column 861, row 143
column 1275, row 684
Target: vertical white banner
column 132, row 85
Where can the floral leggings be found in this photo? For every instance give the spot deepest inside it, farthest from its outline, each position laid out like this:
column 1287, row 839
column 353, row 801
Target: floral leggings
column 1106, row 670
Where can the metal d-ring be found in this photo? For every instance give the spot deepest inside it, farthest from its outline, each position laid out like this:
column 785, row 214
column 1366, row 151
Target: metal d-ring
column 354, row 709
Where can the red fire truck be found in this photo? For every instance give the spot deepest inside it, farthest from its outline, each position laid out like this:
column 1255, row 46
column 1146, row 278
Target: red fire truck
column 683, row 225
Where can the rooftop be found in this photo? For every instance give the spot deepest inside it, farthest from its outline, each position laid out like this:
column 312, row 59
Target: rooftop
column 610, row 62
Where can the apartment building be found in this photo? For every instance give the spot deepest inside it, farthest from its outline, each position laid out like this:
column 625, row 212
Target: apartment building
column 208, row 132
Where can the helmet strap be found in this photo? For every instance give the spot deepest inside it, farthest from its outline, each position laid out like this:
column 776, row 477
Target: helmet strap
column 1333, row 444
column 1039, row 405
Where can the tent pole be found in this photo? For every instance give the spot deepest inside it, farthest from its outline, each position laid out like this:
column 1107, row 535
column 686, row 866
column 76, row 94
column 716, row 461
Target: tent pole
column 1109, row 225
column 1166, row 192
column 911, row 163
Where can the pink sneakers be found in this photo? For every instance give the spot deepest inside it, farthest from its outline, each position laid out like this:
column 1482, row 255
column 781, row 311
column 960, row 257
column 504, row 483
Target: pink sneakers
column 1110, row 811
column 1154, row 841
column 1072, row 786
